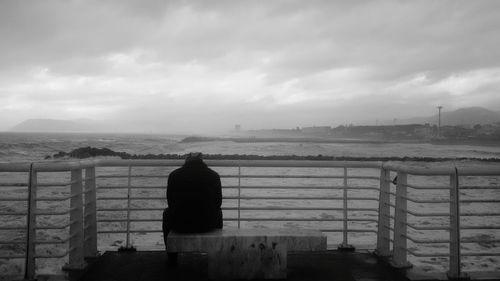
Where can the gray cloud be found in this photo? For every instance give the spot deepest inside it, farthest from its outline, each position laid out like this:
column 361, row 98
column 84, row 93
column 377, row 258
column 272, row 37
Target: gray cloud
column 273, row 63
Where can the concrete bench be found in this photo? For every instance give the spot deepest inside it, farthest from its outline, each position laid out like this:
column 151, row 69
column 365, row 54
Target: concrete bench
column 247, row 253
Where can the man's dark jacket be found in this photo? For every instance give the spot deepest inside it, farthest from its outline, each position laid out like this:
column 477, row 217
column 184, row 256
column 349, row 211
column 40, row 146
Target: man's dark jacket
column 194, row 197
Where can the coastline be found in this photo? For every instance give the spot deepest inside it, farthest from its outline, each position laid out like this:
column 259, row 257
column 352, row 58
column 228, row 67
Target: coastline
column 89, row 152
column 471, row 142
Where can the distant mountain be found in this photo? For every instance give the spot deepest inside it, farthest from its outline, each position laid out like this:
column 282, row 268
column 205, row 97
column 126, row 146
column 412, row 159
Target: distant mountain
column 84, row 125
column 51, row 125
column 462, row 116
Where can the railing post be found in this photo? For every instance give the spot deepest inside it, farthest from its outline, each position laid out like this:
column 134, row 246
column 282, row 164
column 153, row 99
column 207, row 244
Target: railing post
column 400, row 228
column 239, row 196
column 383, row 231
column 76, row 261
column 128, row 247
column 345, row 232
column 90, row 215
column 455, row 258
column 29, row 269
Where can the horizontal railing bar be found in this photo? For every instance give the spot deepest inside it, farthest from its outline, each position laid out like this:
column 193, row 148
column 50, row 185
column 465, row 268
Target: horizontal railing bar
column 131, row 209
column 60, row 184
column 58, row 198
column 63, row 166
column 13, row 227
column 13, row 257
column 13, row 184
column 285, row 176
column 470, row 187
column 424, row 241
column 298, row 198
column 480, row 201
column 471, row 240
column 124, row 220
column 15, row 166
column 416, row 254
column 243, row 163
column 298, row 209
column 131, row 198
column 478, row 214
column 348, row 230
column 480, row 254
column 47, row 166
column 249, row 219
column 52, row 227
column 134, row 187
column 12, row 199
column 361, row 230
column 52, row 256
column 116, row 187
column 427, row 227
column 14, row 214
column 131, row 230
column 441, row 201
column 303, row 219
column 134, row 176
column 12, row 242
column 112, row 176
column 303, row 187
column 479, row 227
column 50, row 213
column 416, row 214
column 245, row 198
column 159, row 230
column 253, row 176
column 485, row 170
column 427, row 187
column 55, row 166
column 252, row 209
column 53, row 241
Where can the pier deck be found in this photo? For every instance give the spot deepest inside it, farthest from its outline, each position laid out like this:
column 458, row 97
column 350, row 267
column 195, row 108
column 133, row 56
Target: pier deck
column 151, row 266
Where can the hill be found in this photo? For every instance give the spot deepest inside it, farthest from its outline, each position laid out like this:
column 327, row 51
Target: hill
column 87, row 126
column 51, row 125
column 462, row 116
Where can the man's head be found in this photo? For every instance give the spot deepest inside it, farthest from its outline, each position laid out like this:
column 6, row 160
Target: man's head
column 194, row 156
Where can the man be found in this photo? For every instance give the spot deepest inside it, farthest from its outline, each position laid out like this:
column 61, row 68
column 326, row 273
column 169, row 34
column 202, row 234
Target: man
column 194, row 197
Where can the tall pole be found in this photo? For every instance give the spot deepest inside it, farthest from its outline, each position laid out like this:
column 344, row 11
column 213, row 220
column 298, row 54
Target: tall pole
column 439, row 120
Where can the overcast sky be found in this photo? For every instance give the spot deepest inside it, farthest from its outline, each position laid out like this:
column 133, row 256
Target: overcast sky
column 208, row 65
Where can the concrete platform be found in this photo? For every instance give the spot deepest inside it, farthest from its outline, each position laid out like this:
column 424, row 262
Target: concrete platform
column 315, row 266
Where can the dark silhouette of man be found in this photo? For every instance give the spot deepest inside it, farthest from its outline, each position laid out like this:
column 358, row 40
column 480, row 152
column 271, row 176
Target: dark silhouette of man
column 194, row 197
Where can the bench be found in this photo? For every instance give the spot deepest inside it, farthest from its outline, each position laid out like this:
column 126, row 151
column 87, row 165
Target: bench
column 247, row 253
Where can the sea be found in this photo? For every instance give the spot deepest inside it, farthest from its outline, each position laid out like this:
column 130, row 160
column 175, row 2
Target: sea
column 34, row 147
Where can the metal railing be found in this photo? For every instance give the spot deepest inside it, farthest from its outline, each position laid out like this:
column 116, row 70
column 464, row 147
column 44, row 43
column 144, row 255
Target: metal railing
column 400, row 224
column 111, row 197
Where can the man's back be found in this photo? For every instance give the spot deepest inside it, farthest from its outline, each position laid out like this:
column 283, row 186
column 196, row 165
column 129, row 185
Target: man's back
column 194, row 198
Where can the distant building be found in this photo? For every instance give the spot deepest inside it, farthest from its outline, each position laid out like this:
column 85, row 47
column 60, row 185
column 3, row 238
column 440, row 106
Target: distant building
column 237, row 127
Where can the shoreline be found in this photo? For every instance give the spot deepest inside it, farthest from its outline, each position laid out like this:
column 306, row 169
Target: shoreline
column 89, row 152
column 477, row 142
